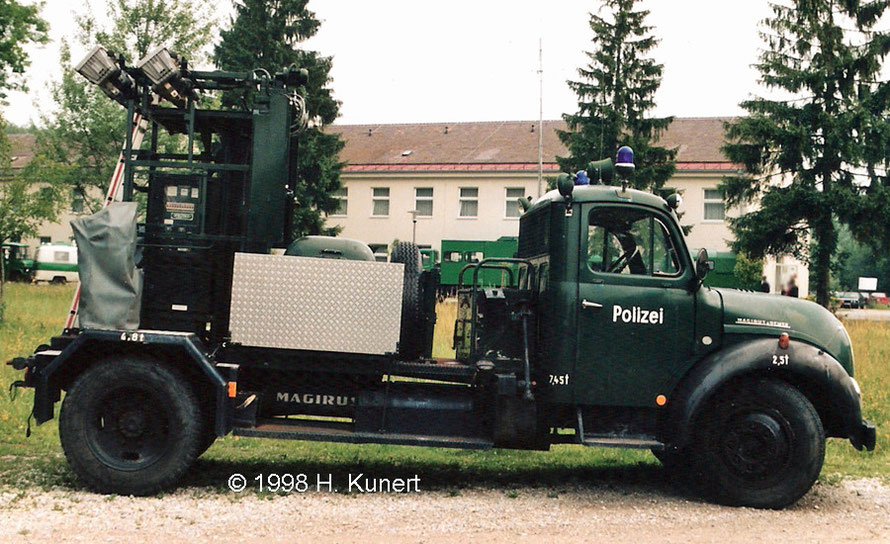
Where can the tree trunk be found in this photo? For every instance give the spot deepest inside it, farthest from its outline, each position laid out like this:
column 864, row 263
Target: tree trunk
column 826, row 240
column 2, row 276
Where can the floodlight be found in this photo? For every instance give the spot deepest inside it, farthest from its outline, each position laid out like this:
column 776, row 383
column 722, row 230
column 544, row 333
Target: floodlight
column 102, row 69
column 292, row 76
column 165, row 74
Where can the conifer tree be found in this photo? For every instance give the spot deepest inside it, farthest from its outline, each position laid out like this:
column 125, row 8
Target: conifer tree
column 267, row 34
column 616, row 92
column 819, row 154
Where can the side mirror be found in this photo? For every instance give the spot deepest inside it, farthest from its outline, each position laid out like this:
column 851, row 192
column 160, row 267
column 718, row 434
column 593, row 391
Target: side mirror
column 702, row 264
column 674, row 201
column 565, row 185
column 524, row 203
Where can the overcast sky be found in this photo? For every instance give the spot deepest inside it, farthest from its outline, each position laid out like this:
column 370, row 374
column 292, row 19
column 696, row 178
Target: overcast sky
column 404, row 61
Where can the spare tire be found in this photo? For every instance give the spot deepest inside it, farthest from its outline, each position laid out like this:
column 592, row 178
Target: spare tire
column 411, row 334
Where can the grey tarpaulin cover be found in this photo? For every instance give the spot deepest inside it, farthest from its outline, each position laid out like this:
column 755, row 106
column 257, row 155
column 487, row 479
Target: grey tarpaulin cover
column 110, row 283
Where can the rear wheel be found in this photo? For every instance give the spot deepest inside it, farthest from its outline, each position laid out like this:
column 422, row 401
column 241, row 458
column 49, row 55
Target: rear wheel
column 130, row 426
column 760, row 443
column 411, row 335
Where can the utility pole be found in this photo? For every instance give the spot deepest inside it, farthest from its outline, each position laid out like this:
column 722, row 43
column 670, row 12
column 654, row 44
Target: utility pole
column 414, row 226
column 540, row 117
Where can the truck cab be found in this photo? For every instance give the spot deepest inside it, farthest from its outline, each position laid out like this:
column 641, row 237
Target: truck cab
column 617, row 268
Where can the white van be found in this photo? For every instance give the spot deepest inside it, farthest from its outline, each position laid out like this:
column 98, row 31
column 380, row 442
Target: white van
column 56, row 263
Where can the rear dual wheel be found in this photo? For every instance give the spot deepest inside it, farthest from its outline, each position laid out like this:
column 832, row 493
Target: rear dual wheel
column 130, row 426
column 759, row 443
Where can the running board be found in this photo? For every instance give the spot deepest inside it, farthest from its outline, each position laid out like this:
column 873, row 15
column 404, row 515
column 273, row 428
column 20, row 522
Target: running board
column 622, row 442
column 615, row 441
column 330, row 431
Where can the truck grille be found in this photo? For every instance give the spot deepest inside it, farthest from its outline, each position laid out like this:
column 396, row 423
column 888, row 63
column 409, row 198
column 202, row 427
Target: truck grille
column 534, row 233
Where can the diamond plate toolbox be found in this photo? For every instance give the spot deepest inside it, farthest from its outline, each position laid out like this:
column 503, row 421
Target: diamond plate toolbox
column 307, row 303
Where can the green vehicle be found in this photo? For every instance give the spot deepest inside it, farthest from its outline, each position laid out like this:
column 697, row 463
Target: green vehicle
column 458, row 254
column 606, row 338
column 723, row 270
column 17, row 262
column 429, row 258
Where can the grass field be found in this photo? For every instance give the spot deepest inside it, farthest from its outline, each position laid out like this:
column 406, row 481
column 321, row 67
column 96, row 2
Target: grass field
column 35, row 313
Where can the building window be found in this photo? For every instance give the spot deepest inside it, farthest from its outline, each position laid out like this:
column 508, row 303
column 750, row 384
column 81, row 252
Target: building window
column 45, row 240
column 77, row 204
column 381, row 201
column 715, row 209
column 512, row 206
column 423, row 201
column 469, row 201
column 473, row 256
column 341, row 195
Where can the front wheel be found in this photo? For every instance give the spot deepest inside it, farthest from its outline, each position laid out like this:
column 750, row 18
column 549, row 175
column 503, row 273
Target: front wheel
column 130, row 426
column 760, row 443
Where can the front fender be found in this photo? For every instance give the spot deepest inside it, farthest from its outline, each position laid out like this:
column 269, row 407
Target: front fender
column 818, row 375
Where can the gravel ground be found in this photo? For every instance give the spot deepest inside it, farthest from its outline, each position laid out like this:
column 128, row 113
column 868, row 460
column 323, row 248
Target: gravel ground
column 850, row 511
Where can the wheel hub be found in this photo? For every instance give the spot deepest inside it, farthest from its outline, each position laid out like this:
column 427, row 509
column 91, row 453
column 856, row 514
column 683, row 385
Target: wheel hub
column 132, row 424
column 755, row 445
column 131, row 428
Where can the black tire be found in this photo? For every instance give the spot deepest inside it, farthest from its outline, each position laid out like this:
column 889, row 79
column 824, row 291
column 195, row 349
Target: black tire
column 207, row 403
column 130, row 426
column 411, row 333
column 759, row 443
column 59, row 280
column 208, row 438
column 672, row 460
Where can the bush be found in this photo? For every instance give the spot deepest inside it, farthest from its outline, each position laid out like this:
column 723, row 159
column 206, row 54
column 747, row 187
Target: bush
column 748, row 271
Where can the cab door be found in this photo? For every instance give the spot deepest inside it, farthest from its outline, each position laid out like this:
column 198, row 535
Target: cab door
column 635, row 305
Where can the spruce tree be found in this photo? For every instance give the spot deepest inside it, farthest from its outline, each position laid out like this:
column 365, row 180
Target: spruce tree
column 266, row 34
column 616, row 90
column 820, row 153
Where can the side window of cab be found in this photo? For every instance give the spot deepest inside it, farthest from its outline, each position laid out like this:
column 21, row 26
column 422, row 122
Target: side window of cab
column 630, row 241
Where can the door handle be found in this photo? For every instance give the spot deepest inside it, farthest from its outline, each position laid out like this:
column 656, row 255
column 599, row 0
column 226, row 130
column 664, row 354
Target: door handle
column 589, row 304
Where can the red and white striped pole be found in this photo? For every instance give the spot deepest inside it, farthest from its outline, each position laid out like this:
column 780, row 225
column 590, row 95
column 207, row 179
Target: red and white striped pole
column 137, row 132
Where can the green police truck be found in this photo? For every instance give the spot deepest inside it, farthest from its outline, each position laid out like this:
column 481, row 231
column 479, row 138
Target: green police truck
column 606, row 336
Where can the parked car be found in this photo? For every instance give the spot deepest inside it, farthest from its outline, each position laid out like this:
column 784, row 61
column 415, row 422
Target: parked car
column 56, row 263
column 849, row 299
column 878, row 297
